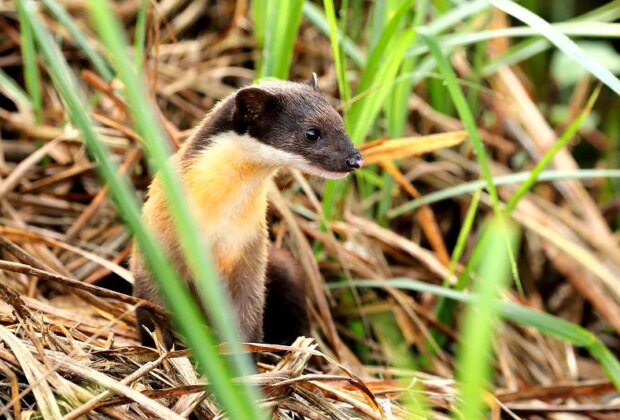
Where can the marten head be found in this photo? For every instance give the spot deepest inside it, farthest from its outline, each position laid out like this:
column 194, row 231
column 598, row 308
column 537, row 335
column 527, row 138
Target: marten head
column 294, row 126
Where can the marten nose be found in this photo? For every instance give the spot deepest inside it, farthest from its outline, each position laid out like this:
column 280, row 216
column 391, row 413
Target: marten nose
column 355, row 161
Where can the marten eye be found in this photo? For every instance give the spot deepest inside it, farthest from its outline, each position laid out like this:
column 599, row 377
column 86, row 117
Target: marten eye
column 313, row 134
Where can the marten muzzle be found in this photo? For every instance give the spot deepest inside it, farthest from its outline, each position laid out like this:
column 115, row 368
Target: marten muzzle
column 355, row 161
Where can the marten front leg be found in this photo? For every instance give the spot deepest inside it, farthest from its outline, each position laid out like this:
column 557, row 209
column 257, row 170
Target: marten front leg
column 285, row 317
column 144, row 288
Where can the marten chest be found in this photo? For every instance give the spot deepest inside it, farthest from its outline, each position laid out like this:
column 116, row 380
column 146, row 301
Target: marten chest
column 229, row 197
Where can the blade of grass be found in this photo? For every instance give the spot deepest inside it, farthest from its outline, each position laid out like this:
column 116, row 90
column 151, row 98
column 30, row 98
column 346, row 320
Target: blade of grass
column 466, row 117
column 363, row 112
column 456, row 16
column 481, row 318
column 470, row 187
column 210, row 289
column 318, row 19
column 445, row 308
column 259, row 18
column 581, row 29
column 13, row 91
column 381, row 70
column 564, row 43
column 139, row 36
column 185, row 312
column 396, row 108
column 339, row 62
column 549, row 325
column 529, row 48
column 32, row 77
column 398, row 353
column 61, row 15
column 461, row 241
column 566, row 136
column 279, row 25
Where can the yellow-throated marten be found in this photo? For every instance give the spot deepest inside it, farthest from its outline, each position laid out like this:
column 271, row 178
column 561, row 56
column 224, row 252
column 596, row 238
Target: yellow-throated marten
column 225, row 167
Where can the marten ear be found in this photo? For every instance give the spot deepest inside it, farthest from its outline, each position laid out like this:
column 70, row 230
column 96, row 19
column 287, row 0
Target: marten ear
column 314, row 82
column 252, row 103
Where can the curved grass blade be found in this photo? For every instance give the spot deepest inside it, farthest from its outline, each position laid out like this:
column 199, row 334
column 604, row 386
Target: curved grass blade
column 557, row 146
column 545, row 323
column 470, row 187
column 318, row 19
column 564, row 43
column 61, row 15
column 581, row 29
column 466, row 117
column 13, row 91
column 32, row 76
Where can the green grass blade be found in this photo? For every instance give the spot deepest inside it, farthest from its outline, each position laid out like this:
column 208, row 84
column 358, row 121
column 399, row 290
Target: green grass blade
column 363, row 112
column 547, row 324
column 564, row 43
column 281, row 22
column 516, row 54
column 457, row 15
column 581, row 29
column 481, row 318
column 210, row 289
column 529, row 48
column 466, row 117
column 339, row 62
column 259, row 14
column 185, row 312
column 140, row 35
column 548, row 157
column 32, row 76
column 608, row 12
column 318, row 19
column 13, row 91
column 470, row 187
column 468, row 223
column 396, row 108
column 378, row 57
column 61, row 15
column 445, row 308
